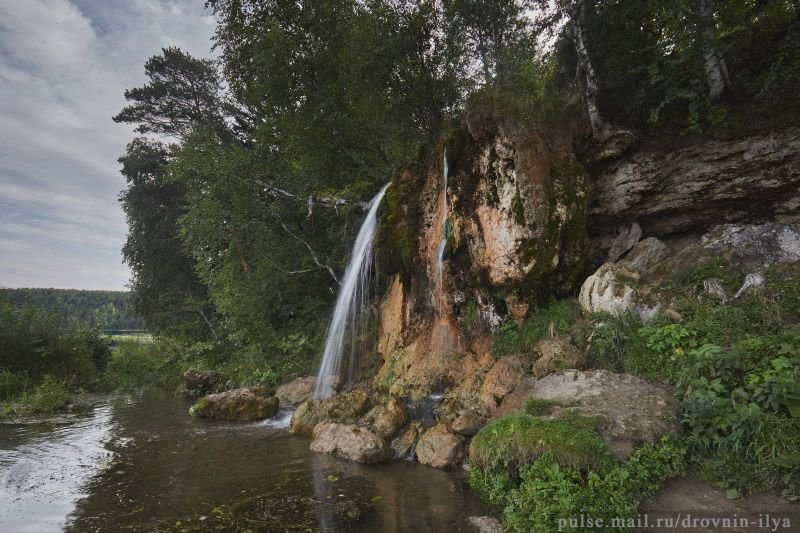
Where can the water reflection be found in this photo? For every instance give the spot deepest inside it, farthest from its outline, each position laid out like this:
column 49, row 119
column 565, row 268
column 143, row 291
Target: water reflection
column 141, row 463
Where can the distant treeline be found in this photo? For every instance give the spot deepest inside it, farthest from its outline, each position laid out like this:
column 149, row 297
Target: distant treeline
column 106, row 310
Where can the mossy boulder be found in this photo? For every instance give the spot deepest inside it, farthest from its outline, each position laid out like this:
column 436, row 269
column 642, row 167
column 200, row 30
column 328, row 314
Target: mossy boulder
column 255, row 403
column 521, row 439
column 296, row 391
column 345, row 408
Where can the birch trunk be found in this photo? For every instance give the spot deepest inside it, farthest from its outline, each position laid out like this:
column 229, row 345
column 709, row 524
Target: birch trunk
column 587, row 78
column 713, row 62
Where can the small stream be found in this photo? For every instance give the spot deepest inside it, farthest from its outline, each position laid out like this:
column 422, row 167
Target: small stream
column 141, row 463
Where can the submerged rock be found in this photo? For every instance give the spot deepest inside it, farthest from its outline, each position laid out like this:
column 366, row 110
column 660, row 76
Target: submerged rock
column 296, row 391
column 346, row 408
column 201, row 382
column 348, row 441
column 554, row 354
column 440, row 448
column 255, row 403
column 503, row 378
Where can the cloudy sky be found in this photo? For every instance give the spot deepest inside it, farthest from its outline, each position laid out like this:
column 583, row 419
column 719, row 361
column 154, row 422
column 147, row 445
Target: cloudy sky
column 64, row 65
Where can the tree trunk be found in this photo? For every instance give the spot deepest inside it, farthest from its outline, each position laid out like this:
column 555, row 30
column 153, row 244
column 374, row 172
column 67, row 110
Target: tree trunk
column 587, row 78
column 713, row 62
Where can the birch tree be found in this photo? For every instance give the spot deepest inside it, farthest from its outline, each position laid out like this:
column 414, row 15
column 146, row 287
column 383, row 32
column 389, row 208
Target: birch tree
column 716, row 71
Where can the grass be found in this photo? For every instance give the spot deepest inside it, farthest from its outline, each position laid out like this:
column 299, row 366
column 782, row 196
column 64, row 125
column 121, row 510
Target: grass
column 50, row 396
column 557, row 318
column 516, row 440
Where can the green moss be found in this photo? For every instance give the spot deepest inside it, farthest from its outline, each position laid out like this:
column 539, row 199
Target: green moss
column 398, row 223
column 539, row 406
column 517, row 440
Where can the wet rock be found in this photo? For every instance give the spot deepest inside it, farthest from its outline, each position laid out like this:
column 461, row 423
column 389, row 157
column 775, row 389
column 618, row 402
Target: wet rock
column 609, row 290
column 468, row 423
column 440, row 448
column 744, row 180
column 631, row 409
column 486, row 524
column 346, row 408
column 255, row 403
column 387, row 419
column 502, row 378
column 348, row 441
column 554, row 354
column 403, row 445
column 296, row 391
column 646, row 254
column 201, row 382
column 624, row 241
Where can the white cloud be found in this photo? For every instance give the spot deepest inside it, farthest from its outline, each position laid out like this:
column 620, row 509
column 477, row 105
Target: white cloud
column 64, row 66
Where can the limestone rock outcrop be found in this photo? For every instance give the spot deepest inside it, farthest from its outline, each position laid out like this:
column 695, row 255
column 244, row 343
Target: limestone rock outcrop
column 753, row 179
column 502, row 378
column 387, row 418
column 345, row 408
column 631, row 410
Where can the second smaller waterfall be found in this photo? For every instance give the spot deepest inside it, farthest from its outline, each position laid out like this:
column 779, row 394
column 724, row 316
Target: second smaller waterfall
column 439, row 266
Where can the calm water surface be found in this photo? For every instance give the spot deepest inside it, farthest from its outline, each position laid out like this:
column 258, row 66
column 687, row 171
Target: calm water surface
column 141, row 463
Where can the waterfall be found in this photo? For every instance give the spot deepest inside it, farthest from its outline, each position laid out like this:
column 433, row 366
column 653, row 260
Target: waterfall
column 439, row 268
column 353, row 297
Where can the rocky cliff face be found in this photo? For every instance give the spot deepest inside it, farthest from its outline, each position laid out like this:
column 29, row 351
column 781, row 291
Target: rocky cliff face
column 752, row 180
column 515, row 230
column 520, row 214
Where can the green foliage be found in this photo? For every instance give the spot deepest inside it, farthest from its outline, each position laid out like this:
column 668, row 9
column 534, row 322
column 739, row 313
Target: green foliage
column 783, row 282
column 108, row 310
column 135, row 364
column 547, row 493
column 609, row 340
column 557, row 318
column 47, row 397
column 539, row 406
column 692, row 278
column 740, row 410
column 516, row 440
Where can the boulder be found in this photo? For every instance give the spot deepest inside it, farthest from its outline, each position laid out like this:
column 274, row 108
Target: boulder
column 255, row 403
column 554, row 354
column 646, row 254
column 468, row 423
column 502, row 378
column 346, row 408
column 753, row 248
column 403, row 445
column 609, row 290
column 201, row 382
column 624, row 241
column 631, row 410
column 296, row 391
column 386, row 419
column 348, row 441
column 440, row 448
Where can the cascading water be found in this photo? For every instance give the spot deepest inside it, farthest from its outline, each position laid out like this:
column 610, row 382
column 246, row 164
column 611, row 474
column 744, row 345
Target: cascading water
column 439, row 267
column 353, row 297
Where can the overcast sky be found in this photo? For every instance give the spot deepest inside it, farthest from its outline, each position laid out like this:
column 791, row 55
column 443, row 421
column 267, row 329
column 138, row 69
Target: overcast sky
column 64, row 65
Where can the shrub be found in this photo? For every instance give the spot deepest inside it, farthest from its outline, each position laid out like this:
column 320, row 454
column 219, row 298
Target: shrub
column 135, row 364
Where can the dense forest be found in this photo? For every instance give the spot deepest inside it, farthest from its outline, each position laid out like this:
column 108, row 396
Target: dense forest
column 105, row 310
column 249, row 178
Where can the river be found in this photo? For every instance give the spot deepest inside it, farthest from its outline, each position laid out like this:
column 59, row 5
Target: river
column 140, row 463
